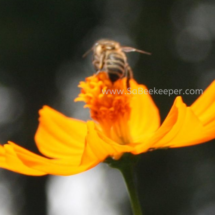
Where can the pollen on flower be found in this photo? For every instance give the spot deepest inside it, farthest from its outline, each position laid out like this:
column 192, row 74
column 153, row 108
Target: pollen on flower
column 106, row 100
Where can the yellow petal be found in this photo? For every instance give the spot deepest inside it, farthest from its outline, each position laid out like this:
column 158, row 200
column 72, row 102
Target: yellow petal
column 59, row 136
column 10, row 161
column 145, row 118
column 96, row 150
column 204, row 106
column 49, row 166
column 181, row 128
column 99, row 146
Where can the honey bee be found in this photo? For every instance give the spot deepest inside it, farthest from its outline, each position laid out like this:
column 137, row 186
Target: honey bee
column 109, row 56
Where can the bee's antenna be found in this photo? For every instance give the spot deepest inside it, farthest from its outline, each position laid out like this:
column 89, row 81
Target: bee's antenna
column 130, row 49
column 87, row 52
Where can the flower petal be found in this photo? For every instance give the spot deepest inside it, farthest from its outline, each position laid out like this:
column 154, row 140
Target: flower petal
column 100, row 146
column 183, row 127
column 204, row 106
column 145, row 118
column 10, row 161
column 62, row 167
column 59, row 136
column 96, row 150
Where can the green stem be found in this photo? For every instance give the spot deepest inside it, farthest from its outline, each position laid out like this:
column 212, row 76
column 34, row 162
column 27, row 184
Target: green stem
column 126, row 166
column 127, row 172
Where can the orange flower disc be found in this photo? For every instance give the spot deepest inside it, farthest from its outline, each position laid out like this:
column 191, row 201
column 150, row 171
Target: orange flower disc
column 109, row 102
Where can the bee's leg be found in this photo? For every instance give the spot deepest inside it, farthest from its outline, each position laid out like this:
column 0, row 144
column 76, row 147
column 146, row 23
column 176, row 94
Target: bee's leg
column 95, row 64
column 102, row 61
column 98, row 62
column 129, row 75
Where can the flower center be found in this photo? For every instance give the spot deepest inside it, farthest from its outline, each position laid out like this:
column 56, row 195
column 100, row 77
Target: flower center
column 109, row 105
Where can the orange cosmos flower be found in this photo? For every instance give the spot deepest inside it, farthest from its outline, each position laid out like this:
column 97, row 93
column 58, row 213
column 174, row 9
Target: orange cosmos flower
column 123, row 122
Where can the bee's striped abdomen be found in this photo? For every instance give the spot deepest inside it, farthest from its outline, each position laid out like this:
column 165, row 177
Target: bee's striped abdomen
column 115, row 65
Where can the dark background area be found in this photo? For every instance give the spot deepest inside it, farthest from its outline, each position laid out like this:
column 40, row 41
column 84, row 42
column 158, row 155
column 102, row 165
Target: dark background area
column 41, row 45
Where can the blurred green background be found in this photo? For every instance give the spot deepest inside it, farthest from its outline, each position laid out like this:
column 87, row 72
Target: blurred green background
column 41, row 47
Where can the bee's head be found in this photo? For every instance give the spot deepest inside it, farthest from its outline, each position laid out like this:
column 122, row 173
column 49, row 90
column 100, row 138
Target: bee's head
column 105, row 45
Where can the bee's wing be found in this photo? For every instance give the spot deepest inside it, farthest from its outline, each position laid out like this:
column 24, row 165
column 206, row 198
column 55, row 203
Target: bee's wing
column 130, row 49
